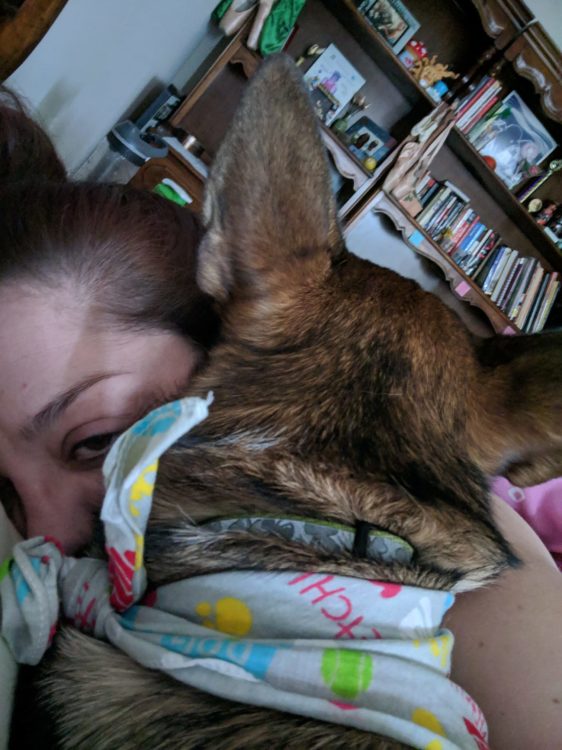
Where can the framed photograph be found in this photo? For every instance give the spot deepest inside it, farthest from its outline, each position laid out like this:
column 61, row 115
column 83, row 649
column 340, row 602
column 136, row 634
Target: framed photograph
column 332, row 81
column 367, row 139
column 513, row 140
column 392, row 20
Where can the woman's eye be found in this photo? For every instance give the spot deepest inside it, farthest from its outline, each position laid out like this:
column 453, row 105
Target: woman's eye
column 94, row 447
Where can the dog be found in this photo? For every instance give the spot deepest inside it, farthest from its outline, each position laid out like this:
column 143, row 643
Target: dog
column 343, row 393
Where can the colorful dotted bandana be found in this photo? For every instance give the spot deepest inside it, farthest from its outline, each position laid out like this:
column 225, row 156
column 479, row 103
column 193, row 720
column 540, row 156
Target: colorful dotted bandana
column 365, row 654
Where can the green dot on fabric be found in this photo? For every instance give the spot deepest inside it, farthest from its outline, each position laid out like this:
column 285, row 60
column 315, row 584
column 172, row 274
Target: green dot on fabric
column 5, row 567
column 347, row 673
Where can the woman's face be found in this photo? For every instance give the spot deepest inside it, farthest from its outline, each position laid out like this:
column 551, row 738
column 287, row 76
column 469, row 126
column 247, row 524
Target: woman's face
column 68, row 388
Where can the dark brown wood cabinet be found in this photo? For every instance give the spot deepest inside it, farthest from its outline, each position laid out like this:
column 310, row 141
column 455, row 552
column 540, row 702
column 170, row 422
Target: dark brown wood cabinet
column 470, row 37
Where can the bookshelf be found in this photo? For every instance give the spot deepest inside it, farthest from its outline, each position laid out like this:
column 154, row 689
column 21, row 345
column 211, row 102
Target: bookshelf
column 462, row 35
column 418, row 239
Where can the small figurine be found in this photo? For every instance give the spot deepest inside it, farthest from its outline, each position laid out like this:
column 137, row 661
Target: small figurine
column 428, row 71
column 412, row 52
column 357, row 104
column 538, row 179
column 546, row 213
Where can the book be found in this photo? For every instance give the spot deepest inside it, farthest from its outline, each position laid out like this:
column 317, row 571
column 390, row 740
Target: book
column 534, row 285
column 472, row 245
column 457, row 190
column 495, row 270
column 537, row 302
column 513, row 305
column 434, row 204
column 456, row 230
column 440, row 213
column 481, row 252
column 423, row 185
column 462, row 233
column 479, row 114
column 549, row 297
column 473, row 95
column 503, row 274
column 485, row 267
column 475, row 133
column 448, row 221
column 430, row 193
column 510, row 282
column 488, row 92
column 447, row 214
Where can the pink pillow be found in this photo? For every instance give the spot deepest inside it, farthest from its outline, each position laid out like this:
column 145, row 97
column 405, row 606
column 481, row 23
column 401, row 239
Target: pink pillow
column 540, row 506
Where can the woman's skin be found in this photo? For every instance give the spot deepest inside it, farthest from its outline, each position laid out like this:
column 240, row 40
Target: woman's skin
column 68, row 388
column 508, row 644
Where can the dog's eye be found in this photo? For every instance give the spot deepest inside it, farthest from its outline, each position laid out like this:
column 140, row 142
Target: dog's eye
column 93, row 449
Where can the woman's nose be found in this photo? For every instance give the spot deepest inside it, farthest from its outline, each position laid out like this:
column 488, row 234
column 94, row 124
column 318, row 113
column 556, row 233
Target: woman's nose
column 65, row 510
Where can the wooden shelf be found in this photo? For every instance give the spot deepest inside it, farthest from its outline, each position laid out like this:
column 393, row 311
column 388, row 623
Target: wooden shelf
column 466, row 152
column 462, row 286
column 375, row 46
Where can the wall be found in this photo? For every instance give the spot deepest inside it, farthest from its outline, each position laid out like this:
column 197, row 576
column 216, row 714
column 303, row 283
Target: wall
column 100, row 60
column 549, row 15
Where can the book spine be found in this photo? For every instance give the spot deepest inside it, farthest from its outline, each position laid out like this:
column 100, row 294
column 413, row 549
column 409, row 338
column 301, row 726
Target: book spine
column 441, row 213
column 503, row 276
column 546, row 307
column 424, row 185
column 549, row 297
column 450, row 232
column 528, row 301
column 457, row 191
column 446, row 216
column 488, row 282
column 463, row 231
column 485, row 96
column 448, row 221
column 432, row 206
column 513, row 305
column 480, row 127
column 537, row 302
column 486, row 257
column 471, row 246
column 480, row 251
column 479, row 114
column 469, row 100
column 510, row 282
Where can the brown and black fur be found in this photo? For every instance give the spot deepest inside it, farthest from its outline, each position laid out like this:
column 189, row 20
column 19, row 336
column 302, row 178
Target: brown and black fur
column 343, row 392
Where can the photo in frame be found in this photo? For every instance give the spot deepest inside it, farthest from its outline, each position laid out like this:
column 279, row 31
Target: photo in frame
column 513, row 140
column 332, row 81
column 392, row 20
column 367, row 139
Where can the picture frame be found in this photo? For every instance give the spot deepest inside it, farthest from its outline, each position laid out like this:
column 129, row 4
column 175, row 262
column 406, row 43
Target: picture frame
column 332, row 81
column 375, row 141
column 513, row 140
column 392, row 20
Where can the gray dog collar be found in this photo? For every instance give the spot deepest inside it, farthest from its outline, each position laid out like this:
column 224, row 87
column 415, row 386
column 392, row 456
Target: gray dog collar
column 363, row 541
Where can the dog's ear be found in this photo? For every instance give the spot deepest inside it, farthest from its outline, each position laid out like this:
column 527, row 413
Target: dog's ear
column 269, row 209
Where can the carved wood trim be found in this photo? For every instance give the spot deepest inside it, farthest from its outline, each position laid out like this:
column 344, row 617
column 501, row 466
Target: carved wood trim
column 534, row 56
column 21, row 34
column 462, row 286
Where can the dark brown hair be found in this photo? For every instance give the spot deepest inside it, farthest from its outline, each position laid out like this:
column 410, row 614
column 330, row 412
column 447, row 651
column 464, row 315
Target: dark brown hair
column 25, row 149
column 129, row 253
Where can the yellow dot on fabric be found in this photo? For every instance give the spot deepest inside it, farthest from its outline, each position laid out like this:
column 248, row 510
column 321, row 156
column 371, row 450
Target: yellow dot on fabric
column 229, row 615
column 139, row 550
column 424, row 718
column 434, row 745
column 203, row 609
column 143, row 487
column 441, row 648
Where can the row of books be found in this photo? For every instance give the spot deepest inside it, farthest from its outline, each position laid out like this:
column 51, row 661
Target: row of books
column 449, row 219
column 517, row 285
column 474, row 106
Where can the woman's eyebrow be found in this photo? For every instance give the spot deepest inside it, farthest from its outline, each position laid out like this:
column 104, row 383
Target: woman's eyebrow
column 52, row 411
